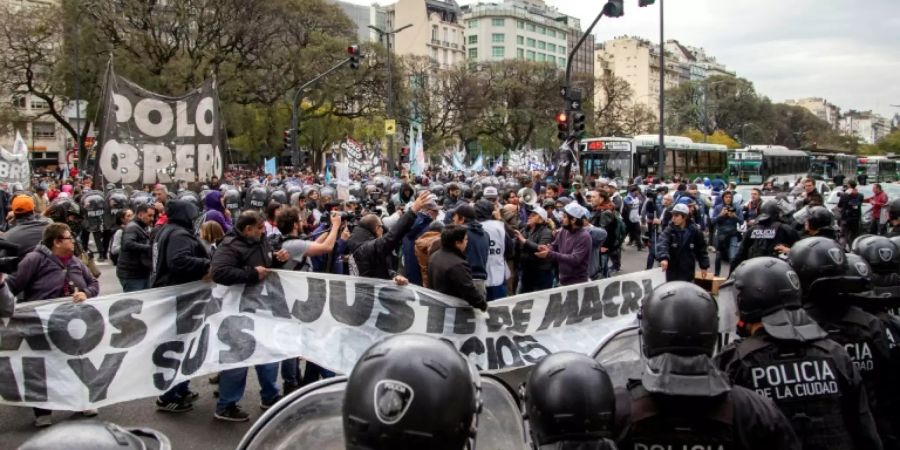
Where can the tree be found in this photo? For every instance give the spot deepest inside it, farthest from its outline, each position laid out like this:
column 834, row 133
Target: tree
column 614, row 104
column 717, row 137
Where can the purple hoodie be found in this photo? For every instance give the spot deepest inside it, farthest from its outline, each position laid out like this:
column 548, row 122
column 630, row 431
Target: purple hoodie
column 215, row 211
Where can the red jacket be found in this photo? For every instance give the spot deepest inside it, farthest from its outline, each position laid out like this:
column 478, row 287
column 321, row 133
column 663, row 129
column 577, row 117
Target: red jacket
column 878, row 201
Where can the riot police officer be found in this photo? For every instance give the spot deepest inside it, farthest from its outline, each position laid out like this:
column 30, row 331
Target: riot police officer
column 570, row 402
column 682, row 400
column 769, row 236
column 411, row 392
column 96, row 435
column 819, row 222
column 785, row 356
column 95, row 208
column 822, row 268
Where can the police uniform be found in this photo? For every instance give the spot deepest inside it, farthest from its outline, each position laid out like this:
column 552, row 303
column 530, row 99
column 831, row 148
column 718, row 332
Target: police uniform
column 813, row 383
column 769, row 232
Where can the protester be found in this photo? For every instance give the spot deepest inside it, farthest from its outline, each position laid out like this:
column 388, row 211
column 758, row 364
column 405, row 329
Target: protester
column 682, row 247
column 500, row 246
column 135, row 255
column 178, row 258
column 727, row 217
column 161, row 195
column 27, row 229
column 879, row 201
column 448, row 271
column 244, row 257
column 537, row 273
column 123, row 218
column 211, row 233
column 571, row 247
column 214, row 210
column 424, row 218
column 51, row 271
column 850, row 212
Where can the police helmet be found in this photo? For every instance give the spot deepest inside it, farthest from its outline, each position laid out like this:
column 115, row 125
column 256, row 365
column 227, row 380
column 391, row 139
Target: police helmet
column 814, row 258
column 894, row 209
column 895, row 240
column 857, row 266
column 256, row 198
column 569, row 397
column 767, row 290
column 854, row 246
column 679, row 318
column 279, row 196
column 882, row 255
column 411, row 391
column 769, row 211
column 438, row 190
column 96, row 435
column 190, row 196
column 819, row 217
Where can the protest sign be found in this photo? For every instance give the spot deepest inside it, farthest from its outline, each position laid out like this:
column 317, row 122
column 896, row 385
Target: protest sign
column 14, row 165
column 63, row 355
column 148, row 138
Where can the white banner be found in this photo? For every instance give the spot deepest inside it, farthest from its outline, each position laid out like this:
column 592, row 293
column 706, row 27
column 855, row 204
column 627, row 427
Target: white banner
column 14, row 165
column 62, row 355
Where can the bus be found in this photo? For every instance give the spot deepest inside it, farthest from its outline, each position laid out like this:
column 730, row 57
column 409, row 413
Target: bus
column 825, row 166
column 757, row 164
column 619, row 157
column 878, row 169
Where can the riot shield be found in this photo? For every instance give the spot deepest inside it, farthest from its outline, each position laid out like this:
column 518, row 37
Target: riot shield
column 620, row 354
column 310, row 418
column 94, row 206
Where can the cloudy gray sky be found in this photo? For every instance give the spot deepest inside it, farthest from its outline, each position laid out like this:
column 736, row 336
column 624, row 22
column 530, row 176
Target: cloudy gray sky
column 847, row 51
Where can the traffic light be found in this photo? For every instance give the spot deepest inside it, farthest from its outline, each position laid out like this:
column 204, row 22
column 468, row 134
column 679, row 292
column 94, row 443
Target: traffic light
column 578, row 119
column 289, row 139
column 614, row 8
column 562, row 124
column 643, row 3
column 355, row 55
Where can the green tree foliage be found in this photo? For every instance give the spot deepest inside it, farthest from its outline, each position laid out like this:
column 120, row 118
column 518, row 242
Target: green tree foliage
column 717, row 137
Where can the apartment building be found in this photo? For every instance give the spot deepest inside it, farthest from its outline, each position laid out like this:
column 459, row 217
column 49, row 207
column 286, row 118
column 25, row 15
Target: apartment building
column 821, row 108
column 436, row 29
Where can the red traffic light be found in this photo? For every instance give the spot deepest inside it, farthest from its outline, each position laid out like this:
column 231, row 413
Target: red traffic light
column 353, row 50
column 562, row 117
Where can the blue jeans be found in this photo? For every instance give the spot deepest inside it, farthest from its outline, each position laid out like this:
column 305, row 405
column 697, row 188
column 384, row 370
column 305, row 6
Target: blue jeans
column 176, row 393
column 496, row 292
column 134, row 284
column 232, row 383
column 315, row 372
column 727, row 247
column 290, row 371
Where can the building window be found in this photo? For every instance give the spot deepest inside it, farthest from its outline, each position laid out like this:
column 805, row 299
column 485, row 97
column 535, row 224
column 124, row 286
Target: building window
column 562, row 50
column 498, row 22
column 434, row 33
column 531, row 42
column 520, row 53
column 473, row 24
column 473, row 53
column 520, row 24
column 551, row 47
column 18, row 102
column 44, row 130
column 529, row 55
column 562, row 34
column 473, row 39
column 445, row 35
column 498, row 38
column 530, row 27
column 520, row 40
column 542, row 45
column 497, row 52
column 551, row 32
column 542, row 30
column 37, row 103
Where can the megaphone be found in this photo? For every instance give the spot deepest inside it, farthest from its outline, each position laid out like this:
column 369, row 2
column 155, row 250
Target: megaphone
column 528, row 196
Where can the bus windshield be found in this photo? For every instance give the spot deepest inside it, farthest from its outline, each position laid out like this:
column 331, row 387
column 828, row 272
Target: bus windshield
column 608, row 164
column 821, row 170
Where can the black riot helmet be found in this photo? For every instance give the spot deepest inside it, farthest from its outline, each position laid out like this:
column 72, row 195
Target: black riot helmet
column 819, row 217
column 817, row 259
column 882, row 255
column 679, row 318
column 256, row 198
column 857, row 266
column 569, row 397
column 279, row 196
column 411, row 392
column 894, row 209
column 769, row 211
column 767, row 290
column 96, row 435
column 94, row 207
column 191, row 196
column 895, row 240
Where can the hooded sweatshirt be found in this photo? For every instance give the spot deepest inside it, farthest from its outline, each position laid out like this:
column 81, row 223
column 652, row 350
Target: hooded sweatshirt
column 215, row 211
column 178, row 255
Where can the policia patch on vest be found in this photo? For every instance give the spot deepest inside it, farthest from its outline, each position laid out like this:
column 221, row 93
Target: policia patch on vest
column 796, row 379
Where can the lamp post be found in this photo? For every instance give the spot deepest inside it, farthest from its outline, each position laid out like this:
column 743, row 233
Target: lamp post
column 386, row 36
column 662, row 92
column 706, row 85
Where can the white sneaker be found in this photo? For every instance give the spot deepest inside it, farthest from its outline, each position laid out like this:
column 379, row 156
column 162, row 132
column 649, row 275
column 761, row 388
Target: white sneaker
column 43, row 421
column 90, row 413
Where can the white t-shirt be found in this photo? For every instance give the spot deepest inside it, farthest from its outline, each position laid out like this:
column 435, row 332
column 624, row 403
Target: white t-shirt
column 496, row 262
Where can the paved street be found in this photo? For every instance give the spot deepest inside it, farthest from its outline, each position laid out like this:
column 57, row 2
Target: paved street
column 192, row 430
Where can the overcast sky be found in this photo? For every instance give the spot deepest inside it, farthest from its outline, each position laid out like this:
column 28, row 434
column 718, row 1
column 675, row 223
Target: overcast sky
column 847, row 51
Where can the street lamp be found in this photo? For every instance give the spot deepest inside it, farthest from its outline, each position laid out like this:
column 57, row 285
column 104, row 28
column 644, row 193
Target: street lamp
column 386, row 37
column 706, row 85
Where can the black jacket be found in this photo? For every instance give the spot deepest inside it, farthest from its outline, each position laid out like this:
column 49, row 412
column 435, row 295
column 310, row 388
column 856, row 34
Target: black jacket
column 371, row 256
column 237, row 257
column 449, row 273
column 762, row 238
column 26, row 234
column 136, row 253
column 683, row 251
column 178, row 256
column 539, row 235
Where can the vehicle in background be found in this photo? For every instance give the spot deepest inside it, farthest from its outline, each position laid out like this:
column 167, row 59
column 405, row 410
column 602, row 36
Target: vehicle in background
column 757, row 164
column 825, row 166
column 617, row 157
column 878, row 169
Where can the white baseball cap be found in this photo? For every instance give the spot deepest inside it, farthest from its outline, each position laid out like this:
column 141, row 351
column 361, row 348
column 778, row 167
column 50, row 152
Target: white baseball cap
column 575, row 210
column 681, row 208
column 539, row 211
column 490, row 193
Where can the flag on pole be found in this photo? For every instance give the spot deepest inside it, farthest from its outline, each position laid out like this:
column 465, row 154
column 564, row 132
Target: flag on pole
column 420, row 154
column 271, row 167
